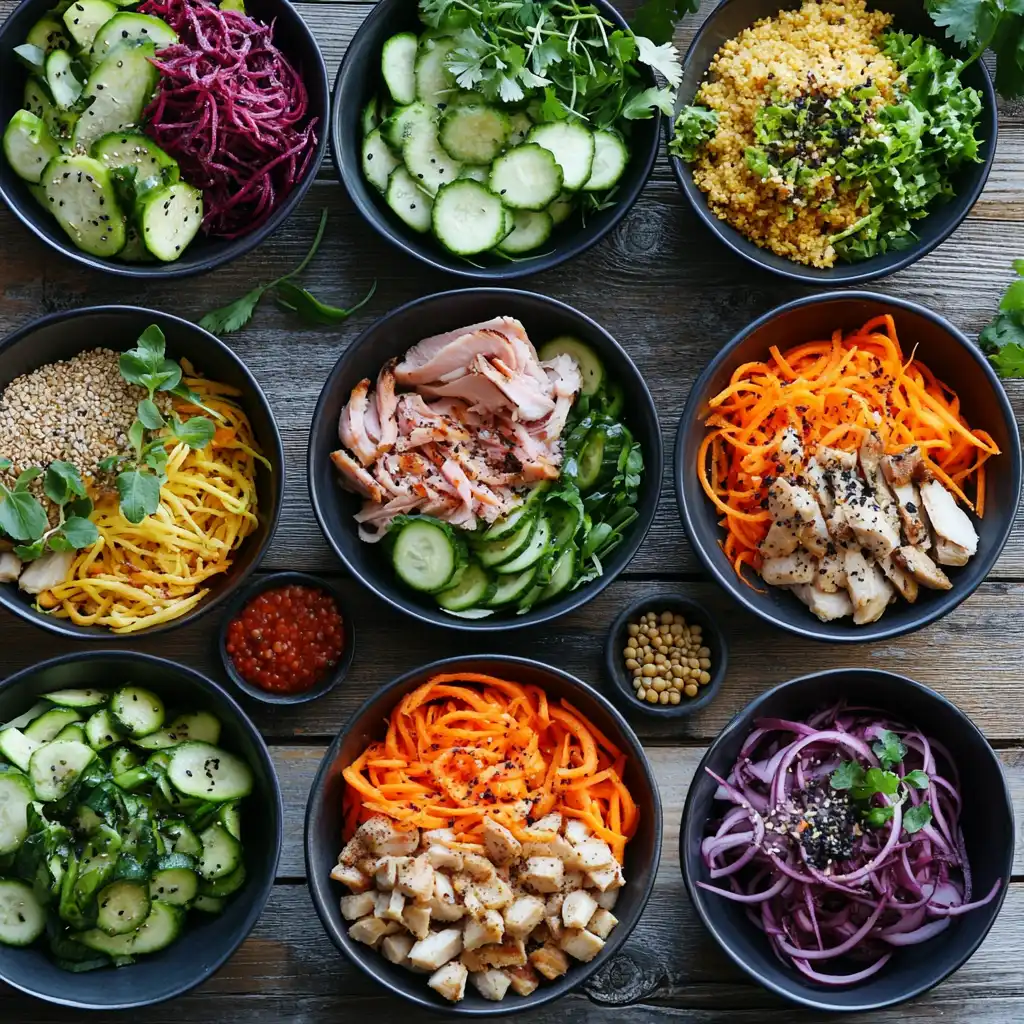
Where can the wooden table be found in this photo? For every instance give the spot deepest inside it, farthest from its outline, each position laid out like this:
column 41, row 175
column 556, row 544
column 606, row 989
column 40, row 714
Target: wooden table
column 672, row 295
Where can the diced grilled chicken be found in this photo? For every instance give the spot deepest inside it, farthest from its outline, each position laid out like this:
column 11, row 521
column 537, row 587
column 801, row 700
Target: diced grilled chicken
column 913, row 518
column 46, row 572
column 396, row 947
column 869, row 590
column 558, row 847
column 581, row 944
column 509, row 953
column 904, row 467
column 524, row 980
column 609, row 877
column 436, row 949
column 593, row 854
column 491, row 984
column 922, row 568
column 352, row 877
column 798, row 567
column 542, row 874
column 948, row 553
column 830, row 576
column 483, row 931
column 549, row 961
column 791, row 452
column 357, row 905
column 817, row 483
column 546, row 827
column 523, row 915
column 602, row 923
column 499, row 842
column 902, row 580
column 494, row 893
column 417, row 919
column 873, row 528
column 826, row 606
column 781, row 540
column 449, row 981
column 835, row 458
column 948, row 520
column 578, row 908
column 607, row 899
column 445, row 905
column 814, row 536
column 444, row 858
column 370, row 930
column 791, row 504
column 10, row 567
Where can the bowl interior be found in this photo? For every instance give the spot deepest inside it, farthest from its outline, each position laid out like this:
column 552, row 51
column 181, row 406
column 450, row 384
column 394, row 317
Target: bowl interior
column 62, row 336
column 953, row 359
column 208, row 941
column 543, row 319
column 359, row 81
column 987, row 824
column 291, row 36
column 730, row 18
column 324, row 829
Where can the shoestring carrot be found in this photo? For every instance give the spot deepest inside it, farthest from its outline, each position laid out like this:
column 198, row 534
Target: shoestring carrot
column 832, row 392
column 468, row 746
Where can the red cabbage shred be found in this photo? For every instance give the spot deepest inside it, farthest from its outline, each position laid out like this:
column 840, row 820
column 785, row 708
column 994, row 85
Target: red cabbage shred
column 232, row 111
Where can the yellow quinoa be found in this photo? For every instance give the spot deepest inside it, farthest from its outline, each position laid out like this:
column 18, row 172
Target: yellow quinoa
column 827, row 48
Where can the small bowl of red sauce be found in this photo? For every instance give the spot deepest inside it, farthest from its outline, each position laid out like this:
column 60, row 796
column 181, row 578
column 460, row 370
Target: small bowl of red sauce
column 287, row 639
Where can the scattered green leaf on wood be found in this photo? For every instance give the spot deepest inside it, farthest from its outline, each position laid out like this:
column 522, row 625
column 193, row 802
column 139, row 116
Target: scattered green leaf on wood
column 1003, row 339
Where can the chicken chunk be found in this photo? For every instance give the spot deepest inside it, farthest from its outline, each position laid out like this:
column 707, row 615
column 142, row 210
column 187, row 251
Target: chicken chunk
column 549, row 961
column 869, row 590
column 830, row 576
column 357, row 905
column 450, row 981
column 523, row 916
column 827, row 606
column 477, row 867
column 494, row 894
column 576, row 831
column 445, row 905
column 380, row 837
column 542, row 874
column 791, row 504
column 499, row 842
column 904, row 467
column 581, row 945
column 370, row 930
column 46, row 572
column 491, row 984
column 352, row 877
column 417, row 920
column 610, row 877
column 546, row 827
column 791, row 452
column 798, row 567
column 510, row 953
column 607, row 899
column 602, row 923
column 902, row 580
column 396, row 948
column 873, row 529
column 558, row 847
column 594, row 854
column 415, row 879
column 835, row 458
column 578, row 908
column 948, row 519
column 781, row 540
column 483, row 931
column 443, row 836
column 922, row 568
column 436, row 949
column 386, row 872
column 393, row 907
column 524, row 980
column 948, row 553
column 10, row 567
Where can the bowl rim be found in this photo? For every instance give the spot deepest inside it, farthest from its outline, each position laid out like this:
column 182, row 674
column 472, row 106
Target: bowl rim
column 399, row 238
column 258, row 904
column 690, row 421
column 260, row 584
column 319, row 890
column 59, row 626
column 689, row 607
column 174, row 270
column 730, row 237
column 741, row 722
column 654, row 469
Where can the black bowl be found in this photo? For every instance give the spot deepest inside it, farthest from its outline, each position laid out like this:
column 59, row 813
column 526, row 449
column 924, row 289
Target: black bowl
column 359, row 80
column 63, row 335
column 987, row 825
column 695, row 615
column 295, row 40
column 208, row 942
column 730, row 18
column 324, row 830
column 949, row 354
column 543, row 318
column 269, row 582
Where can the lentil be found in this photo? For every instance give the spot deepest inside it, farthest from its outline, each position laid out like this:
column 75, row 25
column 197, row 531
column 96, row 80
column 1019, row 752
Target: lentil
column 666, row 658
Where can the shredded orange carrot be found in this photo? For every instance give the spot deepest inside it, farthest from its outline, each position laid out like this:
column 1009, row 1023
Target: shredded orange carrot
column 831, row 392
column 465, row 746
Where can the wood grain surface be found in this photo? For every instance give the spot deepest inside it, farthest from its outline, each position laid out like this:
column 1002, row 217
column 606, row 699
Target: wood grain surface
column 672, row 296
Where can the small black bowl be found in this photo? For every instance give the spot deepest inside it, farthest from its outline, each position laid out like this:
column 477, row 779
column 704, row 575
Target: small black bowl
column 726, row 22
column 324, row 825
column 63, row 335
column 987, row 826
column 295, row 40
column 953, row 358
column 695, row 615
column 359, row 80
column 283, row 579
column 208, row 942
column 543, row 318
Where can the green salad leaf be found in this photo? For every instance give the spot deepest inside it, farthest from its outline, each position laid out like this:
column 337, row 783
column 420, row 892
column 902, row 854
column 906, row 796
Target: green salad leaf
column 1003, row 339
column 657, row 19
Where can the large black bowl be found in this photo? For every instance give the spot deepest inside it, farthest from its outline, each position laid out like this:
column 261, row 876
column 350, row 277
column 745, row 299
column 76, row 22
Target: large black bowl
column 324, row 830
column 954, row 359
column 987, row 823
column 359, row 80
column 543, row 319
column 295, row 41
column 726, row 22
column 63, row 335
column 208, row 942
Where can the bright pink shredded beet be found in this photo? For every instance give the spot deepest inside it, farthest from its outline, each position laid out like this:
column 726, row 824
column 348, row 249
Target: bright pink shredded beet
column 232, row 111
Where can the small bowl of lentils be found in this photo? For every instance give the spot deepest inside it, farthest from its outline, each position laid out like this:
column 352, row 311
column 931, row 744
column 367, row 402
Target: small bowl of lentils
column 666, row 656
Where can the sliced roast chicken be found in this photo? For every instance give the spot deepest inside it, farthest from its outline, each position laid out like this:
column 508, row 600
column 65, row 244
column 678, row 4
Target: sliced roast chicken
column 851, row 532
column 458, row 427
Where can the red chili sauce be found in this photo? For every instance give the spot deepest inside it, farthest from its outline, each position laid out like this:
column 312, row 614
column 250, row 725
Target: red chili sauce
column 287, row 639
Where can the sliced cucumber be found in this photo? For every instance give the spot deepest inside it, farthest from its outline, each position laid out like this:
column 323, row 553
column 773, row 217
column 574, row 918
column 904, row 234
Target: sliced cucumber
column 75, row 731
column 530, row 230
column 46, row 727
column 378, row 160
column 137, row 712
column 590, row 460
column 29, row 146
column 511, row 588
column 565, row 521
column 222, row 853
column 468, row 218
column 534, row 551
column 591, row 367
column 561, row 574
column 55, row 767
column 78, row 698
column 403, row 121
column 475, row 588
column 185, row 840
column 117, row 92
column 129, row 29
column 230, row 817
column 209, row 904
column 82, row 198
column 398, row 66
column 474, row 134
column 572, row 146
column 476, row 173
column 527, row 177
column 427, row 162
column 200, row 725
column 123, row 759
column 427, row 554
column 209, row 773
column 170, row 218
column 48, row 34
column 407, row 200
column 174, row 881
column 84, row 18
column 507, row 525
column 65, row 88
column 15, row 796
column 22, row 918
column 371, row 116
column 102, row 731
column 434, row 82
column 561, row 209
column 133, row 149
column 163, row 925
column 222, row 887
column 17, row 748
column 610, row 159
column 86, row 820
column 494, row 553
column 519, row 127
column 122, row 907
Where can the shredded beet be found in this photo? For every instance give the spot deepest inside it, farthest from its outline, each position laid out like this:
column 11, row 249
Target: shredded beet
column 232, row 111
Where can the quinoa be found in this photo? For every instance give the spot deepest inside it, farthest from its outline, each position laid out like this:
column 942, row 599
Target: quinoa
column 821, row 50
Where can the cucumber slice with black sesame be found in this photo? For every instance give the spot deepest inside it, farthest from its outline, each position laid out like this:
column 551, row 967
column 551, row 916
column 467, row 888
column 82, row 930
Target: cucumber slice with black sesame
column 130, row 29
column 398, row 66
column 527, row 177
column 16, row 748
column 425, row 159
column 226, row 886
column 16, row 794
column 476, row 173
column 468, row 217
column 22, row 917
column 200, row 725
column 530, row 230
column 371, row 116
column 138, row 712
column 571, row 145
column 427, row 554
column 175, row 880
column 170, row 218
column 209, row 773
column 65, row 87
column 184, row 840
column 55, row 767
column 78, row 698
column 474, row 134
column 378, row 160
column 29, row 146
column 534, row 551
column 116, row 93
column 410, row 202
column 610, row 159
column 492, row 553
column 209, row 904
column 222, row 853
column 84, row 18
column 75, row 731
column 133, row 149
column 231, row 818
column 519, row 127
column 434, row 82
column 102, row 731
column 47, row 726
column 395, row 128
column 162, row 927
column 48, row 34
column 122, row 907
column 561, row 574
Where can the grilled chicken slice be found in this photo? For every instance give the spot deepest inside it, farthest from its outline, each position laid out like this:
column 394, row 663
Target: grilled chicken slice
column 387, row 406
column 443, row 355
column 865, row 516
column 352, row 426
column 796, row 568
column 835, row 458
column 948, row 553
column 904, row 467
column 948, row 520
column 355, row 478
column 898, row 471
column 922, row 568
column 831, row 575
column 780, row 541
column 10, row 567
column 827, row 607
column 791, row 452
column 870, row 454
column 564, row 377
column 869, row 590
column 902, row 580
column 46, row 572
column 817, row 483
column 524, row 395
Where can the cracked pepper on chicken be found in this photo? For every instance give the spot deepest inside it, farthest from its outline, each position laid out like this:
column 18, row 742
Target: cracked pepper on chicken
column 843, row 472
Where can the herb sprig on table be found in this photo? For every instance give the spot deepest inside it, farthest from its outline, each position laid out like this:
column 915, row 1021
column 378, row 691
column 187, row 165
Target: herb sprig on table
column 1003, row 339
column 978, row 25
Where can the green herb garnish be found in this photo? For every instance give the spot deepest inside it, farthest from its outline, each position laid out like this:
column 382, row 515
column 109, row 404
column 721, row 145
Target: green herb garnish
column 889, row 748
column 657, row 19
column 979, row 24
column 864, row 785
column 694, row 126
column 1003, row 339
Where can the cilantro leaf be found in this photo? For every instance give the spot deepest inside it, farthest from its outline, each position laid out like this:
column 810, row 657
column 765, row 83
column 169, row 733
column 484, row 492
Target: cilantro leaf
column 964, row 20
column 878, row 816
column 889, row 749
column 664, row 59
column 878, row 781
column 915, row 818
column 694, row 126
column 657, row 19
column 848, row 775
column 1002, row 340
column 917, row 778
column 643, row 104
column 235, row 315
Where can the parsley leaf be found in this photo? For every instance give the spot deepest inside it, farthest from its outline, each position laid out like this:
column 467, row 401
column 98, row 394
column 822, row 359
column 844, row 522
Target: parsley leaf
column 878, row 816
column 917, row 778
column 694, row 126
column 1003, row 339
column 657, row 19
column 848, row 775
column 889, row 749
column 915, row 818
column 979, row 24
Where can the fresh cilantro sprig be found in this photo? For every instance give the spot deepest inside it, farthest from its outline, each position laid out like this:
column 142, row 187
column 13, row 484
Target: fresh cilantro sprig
column 978, row 25
column 23, row 518
column 1003, row 339
column 235, row 315
column 657, row 19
